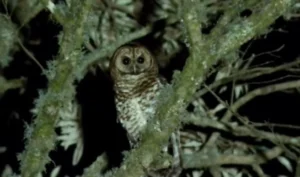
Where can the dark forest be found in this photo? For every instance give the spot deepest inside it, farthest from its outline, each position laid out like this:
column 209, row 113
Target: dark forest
column 233, row 92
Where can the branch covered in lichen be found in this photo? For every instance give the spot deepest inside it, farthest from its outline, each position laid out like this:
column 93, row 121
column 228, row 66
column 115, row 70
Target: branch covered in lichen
column 27, row 9
column 204, row 53
column 40, row 136
column 8, row 38
column 98, row 166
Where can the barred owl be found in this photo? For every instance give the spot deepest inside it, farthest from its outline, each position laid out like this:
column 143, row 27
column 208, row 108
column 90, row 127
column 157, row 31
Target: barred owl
column 137, row 84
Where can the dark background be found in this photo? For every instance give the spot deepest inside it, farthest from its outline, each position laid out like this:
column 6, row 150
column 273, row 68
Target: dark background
column 95, row 94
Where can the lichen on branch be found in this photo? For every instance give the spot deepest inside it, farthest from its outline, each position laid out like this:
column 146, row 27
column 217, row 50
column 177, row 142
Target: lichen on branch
column 41, row 137
column 204, row 53
column 8, row 38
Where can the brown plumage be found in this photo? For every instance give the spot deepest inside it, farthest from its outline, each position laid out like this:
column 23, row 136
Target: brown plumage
column 137, row 86
column 134, row 71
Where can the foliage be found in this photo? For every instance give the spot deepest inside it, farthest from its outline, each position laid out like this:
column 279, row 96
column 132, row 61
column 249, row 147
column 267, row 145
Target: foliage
column 8, row 38
column 213, row 33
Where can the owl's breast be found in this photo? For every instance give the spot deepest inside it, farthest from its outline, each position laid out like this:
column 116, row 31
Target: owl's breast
column 134, row 113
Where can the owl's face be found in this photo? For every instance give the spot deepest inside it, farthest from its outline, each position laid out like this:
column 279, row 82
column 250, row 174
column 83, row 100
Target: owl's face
column 132, row 60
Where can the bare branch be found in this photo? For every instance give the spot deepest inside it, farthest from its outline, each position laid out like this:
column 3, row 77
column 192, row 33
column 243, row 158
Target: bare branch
column 241, row 131
column 259, row 92
column 30, row 54
column 248, row 74
column 202, row 160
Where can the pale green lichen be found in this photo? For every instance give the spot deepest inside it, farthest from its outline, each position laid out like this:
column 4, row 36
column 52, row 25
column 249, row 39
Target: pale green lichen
column 60, row 90
column 71, row 65
column 200, row 60
column 8, row 40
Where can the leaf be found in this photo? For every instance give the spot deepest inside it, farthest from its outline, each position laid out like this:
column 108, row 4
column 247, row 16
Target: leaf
column 55, row 171
column 223, row 89
column 286, row 163
column 240, row 89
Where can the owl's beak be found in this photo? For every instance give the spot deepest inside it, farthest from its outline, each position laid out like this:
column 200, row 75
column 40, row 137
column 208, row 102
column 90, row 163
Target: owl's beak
column 134, row 69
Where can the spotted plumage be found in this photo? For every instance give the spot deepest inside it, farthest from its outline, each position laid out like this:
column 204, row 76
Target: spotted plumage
column 137, row 86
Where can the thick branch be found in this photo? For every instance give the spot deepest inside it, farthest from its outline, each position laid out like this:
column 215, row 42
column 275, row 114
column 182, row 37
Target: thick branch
column 41, row 140
column 27, row 9
column 8, row 39
column 203, row 55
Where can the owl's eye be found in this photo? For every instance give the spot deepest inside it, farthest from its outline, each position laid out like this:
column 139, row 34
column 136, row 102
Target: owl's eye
column 141, row 60
column 126, row 60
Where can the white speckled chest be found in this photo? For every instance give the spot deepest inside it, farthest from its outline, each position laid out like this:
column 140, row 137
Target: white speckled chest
column 135, row 112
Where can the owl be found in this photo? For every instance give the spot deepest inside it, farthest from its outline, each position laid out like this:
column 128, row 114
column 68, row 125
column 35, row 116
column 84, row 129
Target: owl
column 137, row 84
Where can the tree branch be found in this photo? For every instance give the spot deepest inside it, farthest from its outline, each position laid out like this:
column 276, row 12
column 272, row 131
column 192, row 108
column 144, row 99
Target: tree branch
column 241, row 130
column 247, row 74
column 202, row 160
column 25, row 10
column 8, row 38
column 203, row 55
column 259, row 92
column 40, row 136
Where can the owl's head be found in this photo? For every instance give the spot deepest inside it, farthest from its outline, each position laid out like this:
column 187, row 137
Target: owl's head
column 132, row 60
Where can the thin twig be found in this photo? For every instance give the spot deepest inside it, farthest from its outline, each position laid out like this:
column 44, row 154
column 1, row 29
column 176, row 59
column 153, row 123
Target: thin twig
column 259, row 92
column 239, row 131
column 247, row 74
column 30, row 54
column 241, row 119
column 268, row 124
column 202, row 160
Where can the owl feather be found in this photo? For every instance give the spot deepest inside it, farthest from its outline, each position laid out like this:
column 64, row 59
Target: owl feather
column 137, row 86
